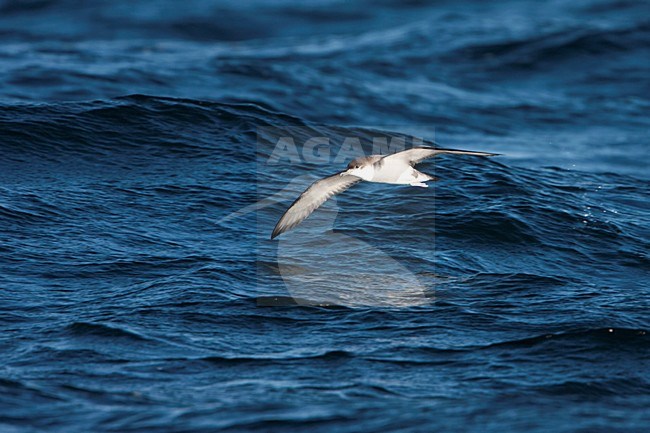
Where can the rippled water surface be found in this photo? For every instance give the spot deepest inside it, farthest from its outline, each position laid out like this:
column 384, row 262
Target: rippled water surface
column 512, row 295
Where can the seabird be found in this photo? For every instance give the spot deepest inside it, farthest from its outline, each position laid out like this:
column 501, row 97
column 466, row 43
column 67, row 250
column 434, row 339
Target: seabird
column 397, row 168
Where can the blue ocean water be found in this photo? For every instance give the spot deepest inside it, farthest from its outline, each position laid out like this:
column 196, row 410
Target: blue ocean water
column 133, row 300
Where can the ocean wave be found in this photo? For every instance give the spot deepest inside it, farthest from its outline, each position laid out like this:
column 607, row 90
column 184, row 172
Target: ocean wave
column 85, row 329
column 603, row 337
column 595, row 389
column 540, row 50
column 333, row 355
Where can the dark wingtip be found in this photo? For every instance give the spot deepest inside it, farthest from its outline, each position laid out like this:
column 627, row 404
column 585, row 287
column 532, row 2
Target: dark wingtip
column 465, row 152
column 276, row 232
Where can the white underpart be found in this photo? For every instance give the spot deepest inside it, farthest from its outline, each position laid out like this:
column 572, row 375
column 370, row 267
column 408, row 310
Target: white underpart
column 395, row 173
column 366, row 173
column 409, row 176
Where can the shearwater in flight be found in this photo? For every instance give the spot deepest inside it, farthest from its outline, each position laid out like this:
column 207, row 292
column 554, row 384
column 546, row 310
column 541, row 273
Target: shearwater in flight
column 397, row 168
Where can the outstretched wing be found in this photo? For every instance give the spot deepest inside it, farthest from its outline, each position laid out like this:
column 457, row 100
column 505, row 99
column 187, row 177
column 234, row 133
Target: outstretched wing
column 417, row 154
column 314, row 196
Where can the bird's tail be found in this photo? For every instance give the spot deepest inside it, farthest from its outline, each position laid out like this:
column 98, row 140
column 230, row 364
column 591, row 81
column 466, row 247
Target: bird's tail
column 424, row 177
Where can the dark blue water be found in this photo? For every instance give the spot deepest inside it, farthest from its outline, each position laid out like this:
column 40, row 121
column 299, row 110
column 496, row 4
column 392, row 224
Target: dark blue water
column 513, row 295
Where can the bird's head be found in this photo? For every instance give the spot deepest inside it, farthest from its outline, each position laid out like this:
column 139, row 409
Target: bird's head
column 360, row 167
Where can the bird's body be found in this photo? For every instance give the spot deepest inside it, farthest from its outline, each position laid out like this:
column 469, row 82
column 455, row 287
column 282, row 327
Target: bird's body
column 397, row 168
column 399, row 172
